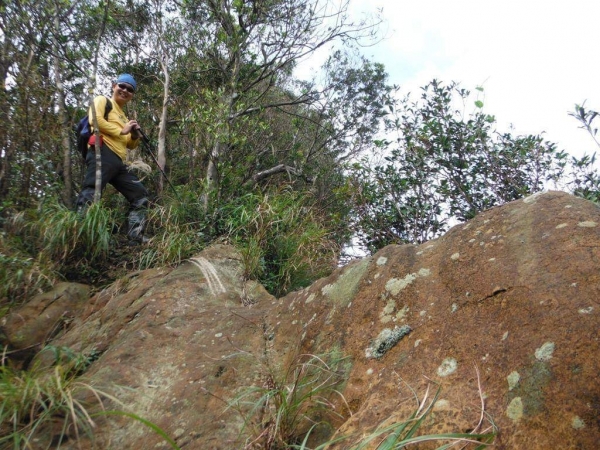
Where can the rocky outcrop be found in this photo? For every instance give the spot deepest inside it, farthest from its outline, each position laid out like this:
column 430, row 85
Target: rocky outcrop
column 32, row 325
column 501, row 314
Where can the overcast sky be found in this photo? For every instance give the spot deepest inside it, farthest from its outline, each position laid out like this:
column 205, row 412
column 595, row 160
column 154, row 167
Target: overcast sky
column 534, row 59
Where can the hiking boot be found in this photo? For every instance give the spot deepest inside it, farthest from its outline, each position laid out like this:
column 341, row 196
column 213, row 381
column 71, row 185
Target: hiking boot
column 135, row 229
column 138, row 240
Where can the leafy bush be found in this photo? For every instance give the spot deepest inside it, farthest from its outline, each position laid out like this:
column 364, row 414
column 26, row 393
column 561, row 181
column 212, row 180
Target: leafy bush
column 284, row 239
column 21, row 275
column 65, row 233
column 584, row 179
column 445, row 165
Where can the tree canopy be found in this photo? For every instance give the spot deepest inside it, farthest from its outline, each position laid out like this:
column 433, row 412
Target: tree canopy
column 289, row 169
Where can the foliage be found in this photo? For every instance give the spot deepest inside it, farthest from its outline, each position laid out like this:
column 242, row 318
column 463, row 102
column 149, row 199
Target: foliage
column 283, row 238
column 235, row 128
column 584, row 178
column 288, row 405
column 21, row 273
column 50, row 403
column 41, row 401
column 180, row 229
column 442, row 167
column 65, row 233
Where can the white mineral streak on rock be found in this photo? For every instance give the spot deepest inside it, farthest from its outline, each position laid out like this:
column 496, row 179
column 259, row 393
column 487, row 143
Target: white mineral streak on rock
column 210, row 274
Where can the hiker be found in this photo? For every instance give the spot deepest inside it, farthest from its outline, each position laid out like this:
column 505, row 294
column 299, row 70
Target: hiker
column 118, row 134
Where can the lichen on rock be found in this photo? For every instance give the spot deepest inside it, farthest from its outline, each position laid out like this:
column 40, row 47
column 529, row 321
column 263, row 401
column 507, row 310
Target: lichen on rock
column 386, row 340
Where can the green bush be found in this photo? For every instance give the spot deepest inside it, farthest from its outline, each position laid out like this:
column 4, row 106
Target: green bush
column 284, row 239
column 64, row 233
column 22, row 271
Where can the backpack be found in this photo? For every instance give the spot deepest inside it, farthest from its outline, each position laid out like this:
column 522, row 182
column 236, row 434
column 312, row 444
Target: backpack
column 83, row 132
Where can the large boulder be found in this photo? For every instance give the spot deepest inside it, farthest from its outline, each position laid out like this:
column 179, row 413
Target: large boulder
column 501, row 314
column 30, row 326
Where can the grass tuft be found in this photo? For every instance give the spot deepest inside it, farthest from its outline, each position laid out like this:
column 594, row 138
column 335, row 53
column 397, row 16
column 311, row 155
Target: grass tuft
column 285, row 408
column 43, row 407
column 283, row 238
column 406, row 433
column 65, row 233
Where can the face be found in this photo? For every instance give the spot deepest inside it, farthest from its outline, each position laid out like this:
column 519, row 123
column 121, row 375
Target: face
column 122, row 93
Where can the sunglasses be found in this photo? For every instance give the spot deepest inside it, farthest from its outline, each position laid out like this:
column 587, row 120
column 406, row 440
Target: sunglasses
column 125, row 87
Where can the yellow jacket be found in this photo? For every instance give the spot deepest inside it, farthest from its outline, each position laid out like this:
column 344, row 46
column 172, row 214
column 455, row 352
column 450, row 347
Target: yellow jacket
column 111, row 129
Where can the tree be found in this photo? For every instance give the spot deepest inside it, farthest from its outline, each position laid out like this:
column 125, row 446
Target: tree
column 250, row 50
column 584, row 179
column 444, row 167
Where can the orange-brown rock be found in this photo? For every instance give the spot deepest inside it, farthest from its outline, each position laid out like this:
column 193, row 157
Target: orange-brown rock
column 30, row 326
column 501, row 313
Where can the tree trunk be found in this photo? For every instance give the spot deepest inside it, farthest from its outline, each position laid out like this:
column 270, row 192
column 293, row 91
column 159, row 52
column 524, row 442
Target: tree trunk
column 64, row 129
column 162, row 126
column 92, row 81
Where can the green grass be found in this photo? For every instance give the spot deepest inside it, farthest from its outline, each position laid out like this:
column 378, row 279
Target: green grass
column 22, row 275
column 286, row 406
column 43, row 407
column 296, row 410
column 177, row 234
column 406, row 433
column 65, row 233
column 284, row 239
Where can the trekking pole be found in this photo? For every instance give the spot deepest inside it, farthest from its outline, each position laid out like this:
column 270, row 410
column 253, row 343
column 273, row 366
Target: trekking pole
column 146, row 145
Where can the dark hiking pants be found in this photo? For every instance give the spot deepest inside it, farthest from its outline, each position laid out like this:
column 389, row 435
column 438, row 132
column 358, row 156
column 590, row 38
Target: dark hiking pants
column 115, row 172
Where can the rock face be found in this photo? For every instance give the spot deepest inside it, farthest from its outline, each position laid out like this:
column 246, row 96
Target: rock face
column 501, row 313
column 33, row 324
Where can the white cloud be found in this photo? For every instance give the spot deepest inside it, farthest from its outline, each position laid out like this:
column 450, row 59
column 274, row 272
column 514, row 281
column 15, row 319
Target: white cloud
column 535, row 59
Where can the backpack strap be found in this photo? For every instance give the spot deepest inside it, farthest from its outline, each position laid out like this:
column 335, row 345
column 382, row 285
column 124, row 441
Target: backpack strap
column 107, row 108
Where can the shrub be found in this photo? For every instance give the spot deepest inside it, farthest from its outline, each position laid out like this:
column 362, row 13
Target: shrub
column 64, row 233
column 284, row 239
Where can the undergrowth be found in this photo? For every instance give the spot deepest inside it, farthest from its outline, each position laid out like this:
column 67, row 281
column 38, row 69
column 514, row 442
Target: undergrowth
column 50, row 405
column 65, row 233
column 21, row 273
column 297, row 409
column 284, row 239
column 290, row 403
